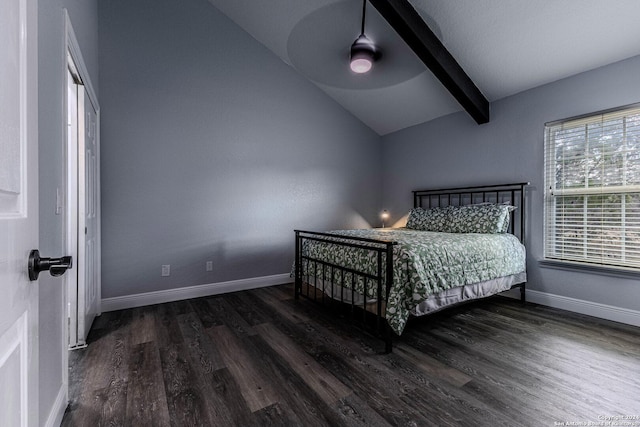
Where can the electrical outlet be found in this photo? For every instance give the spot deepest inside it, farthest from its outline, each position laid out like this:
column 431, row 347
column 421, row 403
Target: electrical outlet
column 209, row 265
column 166, row 270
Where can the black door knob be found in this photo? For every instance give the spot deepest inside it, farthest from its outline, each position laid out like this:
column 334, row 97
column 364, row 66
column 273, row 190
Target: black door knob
column 56, row 266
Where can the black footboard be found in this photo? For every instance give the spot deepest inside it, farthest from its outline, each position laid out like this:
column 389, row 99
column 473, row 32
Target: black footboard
column 321, row 280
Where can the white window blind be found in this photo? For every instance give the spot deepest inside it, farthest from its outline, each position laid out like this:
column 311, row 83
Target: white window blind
column 592, row 181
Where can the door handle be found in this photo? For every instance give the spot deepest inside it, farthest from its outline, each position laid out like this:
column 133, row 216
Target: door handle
column 56, row 266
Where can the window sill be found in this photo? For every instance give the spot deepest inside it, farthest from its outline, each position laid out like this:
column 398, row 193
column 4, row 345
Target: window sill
column 590, row 268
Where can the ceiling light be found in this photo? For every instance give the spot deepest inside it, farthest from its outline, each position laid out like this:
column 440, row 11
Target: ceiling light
column 363, row 51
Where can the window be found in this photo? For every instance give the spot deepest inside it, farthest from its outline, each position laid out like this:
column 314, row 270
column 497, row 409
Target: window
column 592, row 182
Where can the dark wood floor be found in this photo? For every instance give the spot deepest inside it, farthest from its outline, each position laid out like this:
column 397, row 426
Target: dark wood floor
column 258, row 358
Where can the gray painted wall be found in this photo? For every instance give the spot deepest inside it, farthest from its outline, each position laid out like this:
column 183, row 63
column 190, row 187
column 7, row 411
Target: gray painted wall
column 454, row 151
column 214, row 149
column 51, row 90
column 194, row 170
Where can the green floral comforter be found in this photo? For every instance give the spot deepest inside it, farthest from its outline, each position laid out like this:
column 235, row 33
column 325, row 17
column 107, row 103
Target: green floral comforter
column 425, row 262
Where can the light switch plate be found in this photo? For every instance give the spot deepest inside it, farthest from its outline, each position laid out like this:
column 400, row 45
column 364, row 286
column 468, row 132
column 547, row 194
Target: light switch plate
column 59, row 201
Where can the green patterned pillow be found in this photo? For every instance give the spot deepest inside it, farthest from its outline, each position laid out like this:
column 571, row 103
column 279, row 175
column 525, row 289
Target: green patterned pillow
column 434, row 219
column 484, row 218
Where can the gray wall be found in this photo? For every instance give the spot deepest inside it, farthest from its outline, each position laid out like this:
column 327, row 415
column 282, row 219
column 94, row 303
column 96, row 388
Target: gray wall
column 214, row 149
column 454, row 151
column 51, row 90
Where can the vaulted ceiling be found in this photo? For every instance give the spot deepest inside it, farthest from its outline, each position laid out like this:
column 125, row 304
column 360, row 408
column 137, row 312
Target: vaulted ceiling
column 504, row 46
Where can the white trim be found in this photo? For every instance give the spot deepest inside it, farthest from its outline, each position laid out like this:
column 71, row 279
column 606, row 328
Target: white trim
column 602, row 311
column 177, row 294
column 73, row 47
column 57, row 411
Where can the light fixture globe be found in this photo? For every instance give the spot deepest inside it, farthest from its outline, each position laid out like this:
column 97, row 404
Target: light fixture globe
column 363, row 53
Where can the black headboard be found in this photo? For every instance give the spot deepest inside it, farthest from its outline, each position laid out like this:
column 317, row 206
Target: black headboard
column 513, row 194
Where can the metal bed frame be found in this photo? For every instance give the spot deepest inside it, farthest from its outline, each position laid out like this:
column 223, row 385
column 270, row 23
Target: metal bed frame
column 371, row 316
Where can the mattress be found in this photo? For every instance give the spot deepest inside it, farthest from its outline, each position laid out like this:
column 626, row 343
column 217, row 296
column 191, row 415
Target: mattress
column 426, row 264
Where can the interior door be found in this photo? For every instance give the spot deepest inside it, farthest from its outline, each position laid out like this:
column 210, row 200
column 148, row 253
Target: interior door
column 73, row 237
column 83, row 197
column 18, row 213
column 88, row 199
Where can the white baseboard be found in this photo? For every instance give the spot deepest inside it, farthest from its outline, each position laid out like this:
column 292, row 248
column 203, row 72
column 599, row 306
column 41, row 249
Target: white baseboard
column 602, row 311
column 57, row 411
column 177, row 294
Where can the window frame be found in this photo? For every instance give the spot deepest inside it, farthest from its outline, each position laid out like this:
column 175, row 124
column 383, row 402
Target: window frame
column 552, row 195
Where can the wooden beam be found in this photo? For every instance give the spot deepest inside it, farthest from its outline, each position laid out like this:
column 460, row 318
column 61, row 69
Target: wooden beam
column 406, row 21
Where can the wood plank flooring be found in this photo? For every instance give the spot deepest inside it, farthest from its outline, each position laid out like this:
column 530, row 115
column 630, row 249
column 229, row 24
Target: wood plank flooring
column 258, row 357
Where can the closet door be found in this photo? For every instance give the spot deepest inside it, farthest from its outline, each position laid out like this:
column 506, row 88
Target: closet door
column 88, row 216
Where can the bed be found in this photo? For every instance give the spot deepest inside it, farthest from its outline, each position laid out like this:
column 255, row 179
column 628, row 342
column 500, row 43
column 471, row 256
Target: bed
column 459, row 244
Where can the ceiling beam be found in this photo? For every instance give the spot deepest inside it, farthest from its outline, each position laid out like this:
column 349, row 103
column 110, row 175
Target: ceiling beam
column 406, row 21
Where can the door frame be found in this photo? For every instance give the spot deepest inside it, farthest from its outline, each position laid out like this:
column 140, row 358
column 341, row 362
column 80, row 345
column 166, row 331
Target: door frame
column 73, row 57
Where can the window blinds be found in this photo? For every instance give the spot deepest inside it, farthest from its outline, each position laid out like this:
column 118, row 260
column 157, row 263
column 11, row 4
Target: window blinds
column 592, row 182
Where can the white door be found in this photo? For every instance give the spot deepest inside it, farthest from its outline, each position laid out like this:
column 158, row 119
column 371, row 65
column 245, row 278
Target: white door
column 18, row 213
column 83, row 195
column 88, row 203
column 73, row 136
